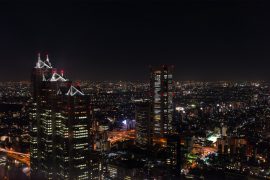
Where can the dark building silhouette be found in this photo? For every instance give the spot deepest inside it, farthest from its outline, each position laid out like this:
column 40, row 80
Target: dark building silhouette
column 232, row 146
column 174, row 151
column 143, row 124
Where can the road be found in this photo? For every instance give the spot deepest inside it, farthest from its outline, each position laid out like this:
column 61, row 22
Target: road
column 21, row 157
column 113, row 137
column 119, row 136
column 202, row 150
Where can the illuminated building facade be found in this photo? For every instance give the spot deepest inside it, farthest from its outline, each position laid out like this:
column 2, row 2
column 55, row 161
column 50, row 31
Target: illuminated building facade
column 42, row 70
column 60, row 125
column 73, row 148
column 143, row 124
column 161, row 92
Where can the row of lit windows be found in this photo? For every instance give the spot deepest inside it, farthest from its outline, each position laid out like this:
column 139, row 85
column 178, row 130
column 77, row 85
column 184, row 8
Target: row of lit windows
column 82, row 144
column 80, row 131
column 81, row 166
column 79, row 158
column 81, row 136
column 79, row 126
column 81, row 117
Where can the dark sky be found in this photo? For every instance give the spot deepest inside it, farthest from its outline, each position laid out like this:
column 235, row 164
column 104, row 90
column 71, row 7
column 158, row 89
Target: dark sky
column 110, row 40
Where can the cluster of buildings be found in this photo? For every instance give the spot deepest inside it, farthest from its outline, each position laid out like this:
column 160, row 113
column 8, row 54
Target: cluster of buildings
column 14, row 92
column 66, row 135
column 129, row 130
column 179, row 126
column 233, row 119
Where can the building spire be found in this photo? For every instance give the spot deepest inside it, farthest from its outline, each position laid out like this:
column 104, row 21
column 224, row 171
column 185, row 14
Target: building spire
column 47, row 57
column 62, row 73
column 39, row 59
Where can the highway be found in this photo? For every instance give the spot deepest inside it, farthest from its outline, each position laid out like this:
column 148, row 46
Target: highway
column 113, row 137
column 21, row 157
column 119, row 136
column 202, row 150
column 14, row 152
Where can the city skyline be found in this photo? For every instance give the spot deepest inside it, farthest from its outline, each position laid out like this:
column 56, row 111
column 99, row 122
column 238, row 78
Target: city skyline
column 114, row 89
column 205, row 40
column 224, row 125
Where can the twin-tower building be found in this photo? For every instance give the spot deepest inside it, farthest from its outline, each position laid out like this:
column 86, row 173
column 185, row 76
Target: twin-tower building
column 60, row 126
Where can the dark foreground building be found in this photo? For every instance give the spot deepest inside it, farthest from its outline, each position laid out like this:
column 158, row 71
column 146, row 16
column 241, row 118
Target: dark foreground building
column 60, row 124
column 143, row 124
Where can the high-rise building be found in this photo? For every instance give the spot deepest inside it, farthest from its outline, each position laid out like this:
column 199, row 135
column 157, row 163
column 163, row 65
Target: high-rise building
column 174, row 151
column 143, row 124
column 60, row 124
column 42, row 70
column 73, row 150
column 161, row 94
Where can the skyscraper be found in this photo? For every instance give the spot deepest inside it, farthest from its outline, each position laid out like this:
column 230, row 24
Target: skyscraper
column 174, row 151
column 143, row 124
column 42, row 70
column 161, row 95
column 60, row 124
column 73, row 145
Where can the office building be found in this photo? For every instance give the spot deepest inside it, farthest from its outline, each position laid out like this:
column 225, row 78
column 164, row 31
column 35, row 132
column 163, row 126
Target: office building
column 161, row 94
column 143, row 124
column 60, row 124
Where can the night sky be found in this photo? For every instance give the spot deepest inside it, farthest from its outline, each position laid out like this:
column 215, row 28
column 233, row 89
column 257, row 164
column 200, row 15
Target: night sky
column 110, row 40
